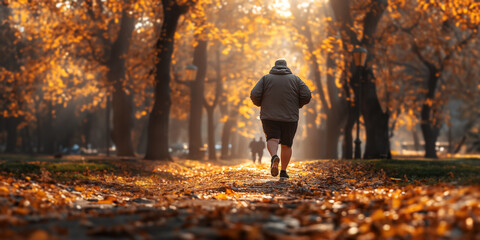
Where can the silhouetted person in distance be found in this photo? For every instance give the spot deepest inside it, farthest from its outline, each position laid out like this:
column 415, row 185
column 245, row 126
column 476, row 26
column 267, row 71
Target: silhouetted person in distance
column 280, row 94
column 253, row 149
column 260, row 147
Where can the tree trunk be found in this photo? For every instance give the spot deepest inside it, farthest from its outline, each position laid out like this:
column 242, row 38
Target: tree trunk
column 227, row 134
column 12, row 134
column 122, row 123
column 39, row 135
column 347, row 146
column 142, row 142
column 430, row 128
column 49, row 138
column 311, row 143
column 157, row 145
column 416, row 141
column 87, row 130
column 212, row 154
column 196, row 101
column 376, row 121
column 27, row 146
column 333, row 135
column 2, row 129
column 450, row 140
column 121, row 102
column 336, row 115
column 430, row 134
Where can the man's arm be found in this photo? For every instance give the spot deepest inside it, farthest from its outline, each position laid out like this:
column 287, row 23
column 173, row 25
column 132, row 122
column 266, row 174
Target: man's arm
column 304, row 93
column 257, row 93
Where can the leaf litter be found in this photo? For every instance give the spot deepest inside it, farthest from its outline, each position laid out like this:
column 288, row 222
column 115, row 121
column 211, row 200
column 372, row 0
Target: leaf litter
column 235, row 200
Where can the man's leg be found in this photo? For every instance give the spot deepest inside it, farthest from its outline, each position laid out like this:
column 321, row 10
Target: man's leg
column 286, row 154
column 288, row 133
column 272, row 146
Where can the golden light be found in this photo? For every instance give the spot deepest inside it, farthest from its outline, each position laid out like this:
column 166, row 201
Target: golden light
column 282, row 7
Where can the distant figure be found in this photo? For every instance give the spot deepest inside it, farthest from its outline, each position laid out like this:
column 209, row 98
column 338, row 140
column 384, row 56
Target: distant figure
column 253, row 149
column 260, row 148
column 280, row 94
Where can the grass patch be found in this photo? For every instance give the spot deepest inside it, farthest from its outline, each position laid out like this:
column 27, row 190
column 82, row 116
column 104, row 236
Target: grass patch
column 68, row 171
column 79, row 167
column 462, row 171
column 59, row 169
column 19, row 168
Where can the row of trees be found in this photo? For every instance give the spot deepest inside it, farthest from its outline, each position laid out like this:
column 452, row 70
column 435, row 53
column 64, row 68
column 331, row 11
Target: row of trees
column 66, row 65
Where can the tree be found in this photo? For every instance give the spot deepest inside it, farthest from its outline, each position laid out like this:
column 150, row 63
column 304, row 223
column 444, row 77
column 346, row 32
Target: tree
column 10, row 63
column 197, row 97
column 333, row 104
column 376, row 120
column 157, row 144
column 112, row 56
column 438, row 37
column 210, row 102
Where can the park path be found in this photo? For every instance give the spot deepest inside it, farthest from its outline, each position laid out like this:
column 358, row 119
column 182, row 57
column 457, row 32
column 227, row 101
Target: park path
column 236, row 200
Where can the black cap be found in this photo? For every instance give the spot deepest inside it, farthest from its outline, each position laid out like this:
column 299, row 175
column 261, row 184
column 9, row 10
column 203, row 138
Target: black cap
column 281, row 62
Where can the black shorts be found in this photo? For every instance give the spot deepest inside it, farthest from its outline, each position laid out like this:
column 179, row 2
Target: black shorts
column 285, row 131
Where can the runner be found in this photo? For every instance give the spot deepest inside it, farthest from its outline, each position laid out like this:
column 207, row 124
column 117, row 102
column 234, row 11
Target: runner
column 280, row 94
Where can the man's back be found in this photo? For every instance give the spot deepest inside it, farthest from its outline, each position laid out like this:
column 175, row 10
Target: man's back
column 280, row 94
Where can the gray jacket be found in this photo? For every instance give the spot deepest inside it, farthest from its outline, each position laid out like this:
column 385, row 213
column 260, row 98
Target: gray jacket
column 280, row 94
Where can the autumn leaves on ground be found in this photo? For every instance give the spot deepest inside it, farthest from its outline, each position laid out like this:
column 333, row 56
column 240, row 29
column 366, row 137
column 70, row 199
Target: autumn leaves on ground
column 137, row 199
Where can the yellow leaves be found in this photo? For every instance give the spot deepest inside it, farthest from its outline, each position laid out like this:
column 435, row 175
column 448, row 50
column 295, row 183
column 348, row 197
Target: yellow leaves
column 428, row 102
column 396, row 203
column 442, row 228
column 377, row 215
column 221, row 196
column 39, row 234
column 414, row 207
column 4, row 191
column 469, row 223
column 241, row 124
column 107, row 200
column 140, row 114
column 328, row 44
column 226, row 51
column 424, row 5
column 229, row 193
column 246, row 111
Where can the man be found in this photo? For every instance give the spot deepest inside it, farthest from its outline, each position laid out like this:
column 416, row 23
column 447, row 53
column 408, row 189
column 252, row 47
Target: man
column 280, row 94
column 253, row 149
column 260, row 147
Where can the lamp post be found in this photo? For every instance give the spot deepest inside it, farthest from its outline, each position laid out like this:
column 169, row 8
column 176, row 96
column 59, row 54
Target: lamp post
column 190, row 72
column 107, row 109
column 189, row 75
column 359, row 58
